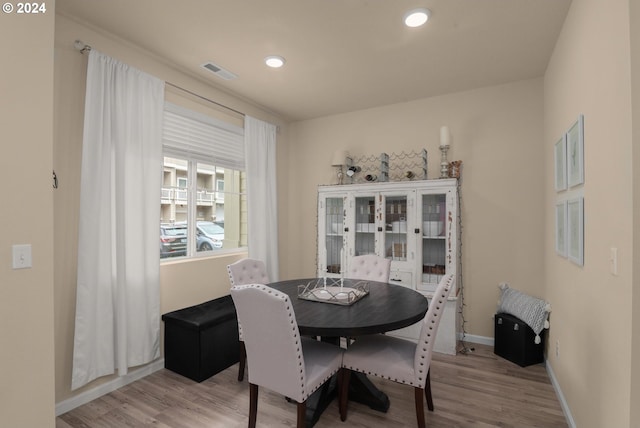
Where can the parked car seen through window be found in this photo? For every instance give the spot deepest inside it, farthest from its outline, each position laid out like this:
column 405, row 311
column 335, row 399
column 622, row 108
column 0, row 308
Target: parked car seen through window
column 173, row 240
column 210, row 235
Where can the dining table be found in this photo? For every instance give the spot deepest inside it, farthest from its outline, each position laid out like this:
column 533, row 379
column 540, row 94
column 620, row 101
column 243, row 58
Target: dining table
column 384, row 307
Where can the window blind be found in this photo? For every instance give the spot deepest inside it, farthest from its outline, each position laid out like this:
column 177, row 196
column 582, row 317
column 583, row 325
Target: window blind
column 202, row 138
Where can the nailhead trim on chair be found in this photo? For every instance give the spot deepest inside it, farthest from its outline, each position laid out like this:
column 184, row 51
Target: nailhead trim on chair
column 421, row 383
column 305, row 390
column 250, row 280
column 300, row 356
column 420, row 379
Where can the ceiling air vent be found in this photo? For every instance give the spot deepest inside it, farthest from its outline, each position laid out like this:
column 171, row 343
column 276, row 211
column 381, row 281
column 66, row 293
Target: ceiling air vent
column 219, row 71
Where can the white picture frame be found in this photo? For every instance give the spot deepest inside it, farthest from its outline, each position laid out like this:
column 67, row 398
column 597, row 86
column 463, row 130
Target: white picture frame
column 561, row 228
column 560, row 156
column 575, row 153
column 575, row 230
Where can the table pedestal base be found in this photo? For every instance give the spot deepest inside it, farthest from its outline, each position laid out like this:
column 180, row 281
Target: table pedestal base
column 320, row 400
column 361, row 390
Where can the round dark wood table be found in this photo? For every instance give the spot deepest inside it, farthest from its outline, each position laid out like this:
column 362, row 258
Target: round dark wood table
column 387, row 307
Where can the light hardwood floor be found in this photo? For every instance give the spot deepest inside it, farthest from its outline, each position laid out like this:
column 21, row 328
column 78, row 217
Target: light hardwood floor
column 477, row 389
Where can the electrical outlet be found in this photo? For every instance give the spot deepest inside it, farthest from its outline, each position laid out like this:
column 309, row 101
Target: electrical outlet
column 557, row 348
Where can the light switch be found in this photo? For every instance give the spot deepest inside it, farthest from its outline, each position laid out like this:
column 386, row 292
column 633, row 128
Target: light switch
column 22, row 256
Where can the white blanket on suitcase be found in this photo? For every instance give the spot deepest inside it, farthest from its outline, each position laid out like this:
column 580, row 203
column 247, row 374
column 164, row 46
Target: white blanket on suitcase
column 532, row 311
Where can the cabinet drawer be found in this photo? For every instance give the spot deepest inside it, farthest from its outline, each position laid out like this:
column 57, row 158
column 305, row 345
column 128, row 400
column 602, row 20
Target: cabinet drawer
column 400, row 277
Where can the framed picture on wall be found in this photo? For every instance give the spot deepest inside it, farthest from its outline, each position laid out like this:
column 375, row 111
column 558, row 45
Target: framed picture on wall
column 561, row 228
column 575, row 230
column 575, row 153
column 561, row 163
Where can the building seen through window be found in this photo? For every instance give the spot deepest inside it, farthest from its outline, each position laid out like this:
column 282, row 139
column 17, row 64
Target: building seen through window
column 215, row 204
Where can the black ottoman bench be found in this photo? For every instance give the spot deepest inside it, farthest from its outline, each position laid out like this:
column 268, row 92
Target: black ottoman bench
column 201, row 340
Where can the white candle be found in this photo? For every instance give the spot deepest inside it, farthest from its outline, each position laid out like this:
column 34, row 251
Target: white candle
column 339, row 158
column 341, row 283
column 445, row 136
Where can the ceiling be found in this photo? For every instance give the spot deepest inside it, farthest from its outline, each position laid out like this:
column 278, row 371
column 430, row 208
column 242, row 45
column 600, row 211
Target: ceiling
column 341, row 55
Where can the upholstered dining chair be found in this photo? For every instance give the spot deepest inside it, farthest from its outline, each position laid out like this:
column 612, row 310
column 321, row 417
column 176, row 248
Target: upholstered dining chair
column 397, row 359
column 369, row 267
column 279, row 358
column 246, row 271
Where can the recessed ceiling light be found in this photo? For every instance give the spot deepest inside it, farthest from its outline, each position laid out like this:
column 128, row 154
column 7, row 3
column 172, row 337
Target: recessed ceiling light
column 274, row 61
column 416, row 17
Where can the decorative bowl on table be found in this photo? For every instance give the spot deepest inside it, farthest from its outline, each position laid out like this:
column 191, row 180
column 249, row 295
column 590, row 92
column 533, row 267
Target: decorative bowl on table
column 338, row 291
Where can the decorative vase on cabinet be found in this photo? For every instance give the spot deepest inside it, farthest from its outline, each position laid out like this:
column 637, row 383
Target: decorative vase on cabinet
column 415, row 224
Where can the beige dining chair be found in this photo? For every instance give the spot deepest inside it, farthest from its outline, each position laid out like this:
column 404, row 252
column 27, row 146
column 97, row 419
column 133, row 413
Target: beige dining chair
column 369, row 267
column 246, row 271
column 399, row 360
column 279, row 358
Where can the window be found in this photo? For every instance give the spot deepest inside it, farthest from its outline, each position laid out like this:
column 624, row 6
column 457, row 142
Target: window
column 203, row 199
column 220, row 189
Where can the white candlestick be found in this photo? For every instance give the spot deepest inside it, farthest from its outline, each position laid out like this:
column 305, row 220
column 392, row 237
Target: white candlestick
column 445, row 136
column 444, row 165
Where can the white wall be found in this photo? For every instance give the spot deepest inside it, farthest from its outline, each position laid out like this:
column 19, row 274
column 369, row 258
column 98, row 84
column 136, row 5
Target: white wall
column 26, row 295
column 589, row 73
column 497, row 133
column 634, row 19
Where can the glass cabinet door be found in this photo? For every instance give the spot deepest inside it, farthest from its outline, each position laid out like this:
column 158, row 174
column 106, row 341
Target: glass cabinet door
column 433, row 213
column 334, row 232
column 365, row 225
column 395, row 229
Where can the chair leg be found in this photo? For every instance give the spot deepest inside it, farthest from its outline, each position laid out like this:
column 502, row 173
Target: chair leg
column 302, row 413
column 253, row 404
column 419, row 406
column 427, row 390
column 243, row 361
column 343, row 393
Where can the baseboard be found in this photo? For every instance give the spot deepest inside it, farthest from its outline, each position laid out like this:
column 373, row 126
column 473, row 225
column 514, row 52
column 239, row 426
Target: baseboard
column 563, row 402
column 472, row 338
column 105, row 388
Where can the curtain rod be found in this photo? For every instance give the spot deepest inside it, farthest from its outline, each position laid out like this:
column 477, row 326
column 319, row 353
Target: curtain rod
column 84, row 48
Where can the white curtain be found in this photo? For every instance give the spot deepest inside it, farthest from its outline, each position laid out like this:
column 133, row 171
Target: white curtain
column 260, row 152
column 118, row 300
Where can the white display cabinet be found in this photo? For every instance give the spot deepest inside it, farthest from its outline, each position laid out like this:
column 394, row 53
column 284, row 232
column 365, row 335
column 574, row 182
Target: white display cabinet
column 414, row 223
